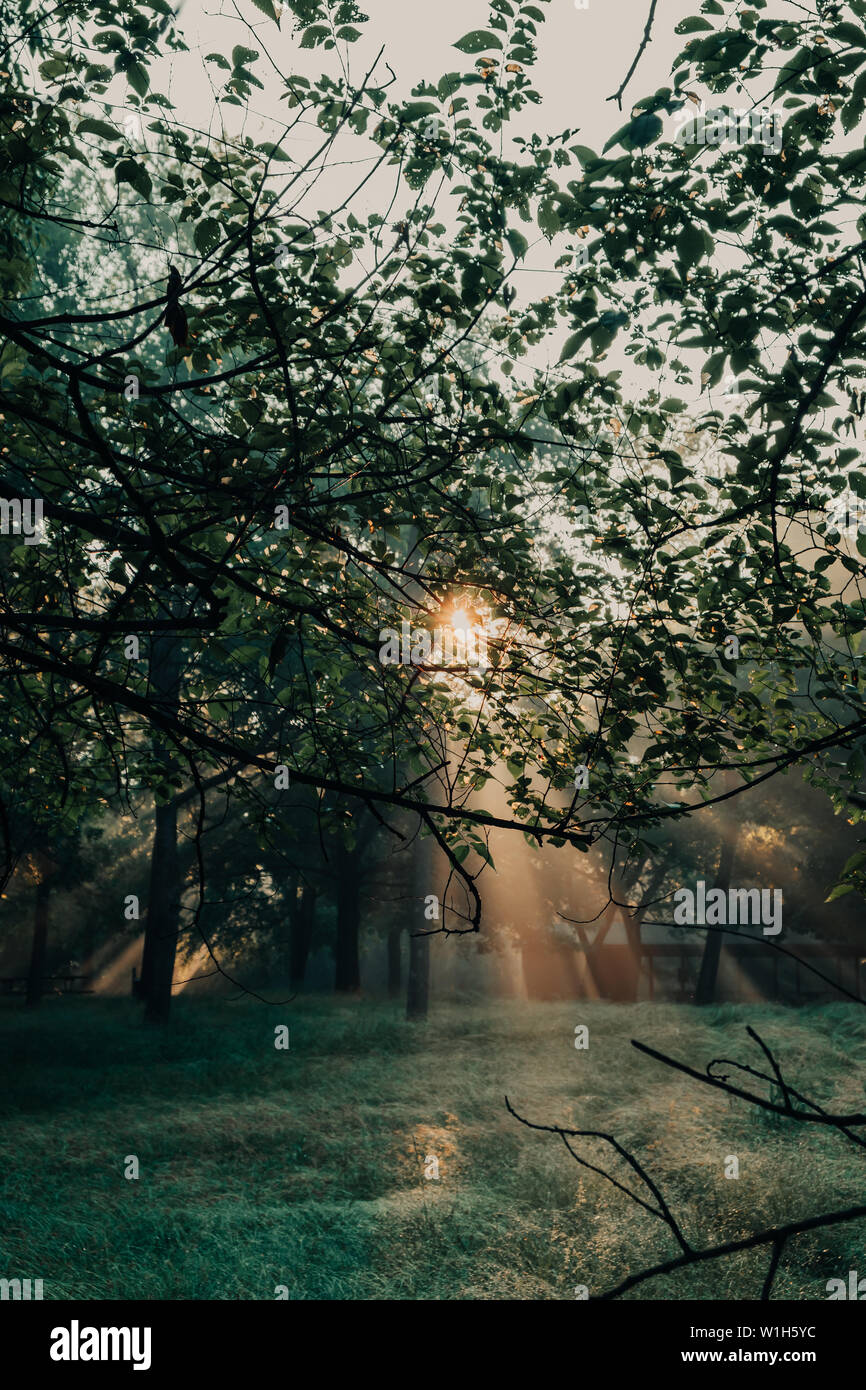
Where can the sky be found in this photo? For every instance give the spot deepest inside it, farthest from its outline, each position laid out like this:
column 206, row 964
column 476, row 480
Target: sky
column 583, row 54
column 583, row 57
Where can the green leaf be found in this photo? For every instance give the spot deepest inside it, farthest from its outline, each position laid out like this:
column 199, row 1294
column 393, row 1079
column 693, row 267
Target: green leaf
column 573, row 343
column 53, row 68
column 849, row 33
column 130, row 171
column 855, row 862
column 414, row 110
column 692, row 25
column 316, row 34
column 266, row 7
column 207, row 235
column 644, row 129
column 137, row 77
column 714, row 367
column 852, row 114
column 548, row 217
column 839, row 891
column 690, row 245
column 94, row 127
column 274, row 151
column 477, row 40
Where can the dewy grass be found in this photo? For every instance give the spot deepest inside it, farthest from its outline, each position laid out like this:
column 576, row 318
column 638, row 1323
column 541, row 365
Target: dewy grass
column 304, row 1170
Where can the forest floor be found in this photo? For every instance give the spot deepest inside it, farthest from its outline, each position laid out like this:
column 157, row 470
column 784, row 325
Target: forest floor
column 304, row 1168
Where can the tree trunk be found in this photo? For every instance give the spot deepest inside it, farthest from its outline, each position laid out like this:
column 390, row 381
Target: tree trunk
column 302, row 922
column 38, row 951
column 709, row 972
column 163, row 913
column 394, row 962
column 634, row 923
column 163, row 906
column 418, row 983
column 347, row 976
column 593, row 953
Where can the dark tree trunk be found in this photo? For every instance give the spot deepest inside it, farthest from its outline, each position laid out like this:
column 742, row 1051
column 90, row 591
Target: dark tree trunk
column 634, row 923
column 418, row 987
column 302, row 922
column 38, row 951
column 594, row 955
column 709, row 972
column 418, row 982
column 347, row 976
column 395, row 937
column 705, row 992
column 163, row 913
column 630, row 979
column 163, row 906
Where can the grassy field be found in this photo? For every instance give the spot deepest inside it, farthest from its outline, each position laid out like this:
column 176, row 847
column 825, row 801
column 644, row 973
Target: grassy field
column 305, row 1167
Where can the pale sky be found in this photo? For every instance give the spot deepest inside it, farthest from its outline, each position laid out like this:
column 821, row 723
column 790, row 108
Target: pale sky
column 583, row 56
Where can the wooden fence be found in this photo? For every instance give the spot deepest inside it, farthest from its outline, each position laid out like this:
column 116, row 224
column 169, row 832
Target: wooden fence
column 670, row 971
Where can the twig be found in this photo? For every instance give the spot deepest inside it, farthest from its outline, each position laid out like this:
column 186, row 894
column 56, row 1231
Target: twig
column 617, row 95
column 775, row 1236
column 732, row 1247
column 778, row 1247
column 663, row 1212
column 834, row 1121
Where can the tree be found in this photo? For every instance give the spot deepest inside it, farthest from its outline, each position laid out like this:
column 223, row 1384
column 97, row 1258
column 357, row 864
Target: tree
column 302, row 923
column 420, row 928
column 653, row 612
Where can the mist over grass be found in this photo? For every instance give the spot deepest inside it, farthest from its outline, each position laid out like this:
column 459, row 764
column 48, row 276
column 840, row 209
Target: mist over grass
column 305, row 1168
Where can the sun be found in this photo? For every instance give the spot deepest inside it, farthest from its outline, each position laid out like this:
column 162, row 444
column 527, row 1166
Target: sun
column 460, row 620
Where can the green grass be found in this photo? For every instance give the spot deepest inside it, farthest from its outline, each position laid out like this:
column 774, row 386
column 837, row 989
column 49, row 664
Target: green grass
column 305, row 1168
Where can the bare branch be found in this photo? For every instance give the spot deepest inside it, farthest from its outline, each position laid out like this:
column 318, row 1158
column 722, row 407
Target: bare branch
column 617, row 95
